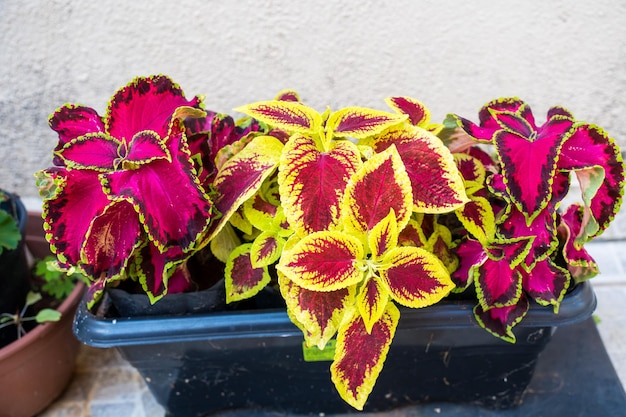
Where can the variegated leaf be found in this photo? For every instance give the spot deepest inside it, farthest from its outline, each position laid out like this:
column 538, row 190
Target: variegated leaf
column 471, row 255
column 95, row 151
column 500, row 321
column 111, row 239
column 383, row 236
column 153, row 269
column 360, row 355
column 144, row 148
column 415, row 277
column 242, row 176
column 436, row 184
column 546, row 283
column 579, row 262
column 542, row 228
column 146, row 103
column 371, row 301
column 324, row 261
column 418, row 113
column 312, row 182
column 291, row 116
column 360, row 122
column 586, row 148
column 266, row 249
column 529, row 165
column 317, row 313
column 71, row 121
column 176, row 210
column 242, row 280
column 497, row 283
column 378, row 187
column 66, row 218
column 478, row 218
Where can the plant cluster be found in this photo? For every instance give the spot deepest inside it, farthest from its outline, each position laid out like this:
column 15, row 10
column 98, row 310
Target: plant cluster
column 353, row 214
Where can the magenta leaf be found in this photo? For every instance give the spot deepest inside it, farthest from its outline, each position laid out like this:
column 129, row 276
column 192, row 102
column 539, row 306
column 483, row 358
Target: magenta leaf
column 145, row 147
column 579, row 263
column 546, row 283
column 154, row 269
column 72, row 121
column 68, row 217
column 500, row 321
column 111, row 239
column 173, row 207
column 147, row 103
column 589, row 147
column 98, row 151
column 529, row 164
column 471, row 255
column 497, row 284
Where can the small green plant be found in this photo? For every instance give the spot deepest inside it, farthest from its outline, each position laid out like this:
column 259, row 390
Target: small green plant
column 57, row 283
column 18, row 319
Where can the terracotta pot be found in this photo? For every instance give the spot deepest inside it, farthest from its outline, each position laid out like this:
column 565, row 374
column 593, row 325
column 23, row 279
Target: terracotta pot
column 35, row 369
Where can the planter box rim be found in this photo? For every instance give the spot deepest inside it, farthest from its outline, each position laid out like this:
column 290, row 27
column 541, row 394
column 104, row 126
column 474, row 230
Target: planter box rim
column 578, row 305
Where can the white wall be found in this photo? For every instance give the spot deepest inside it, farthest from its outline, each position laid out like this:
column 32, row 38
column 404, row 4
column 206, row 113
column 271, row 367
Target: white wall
column 453, row 55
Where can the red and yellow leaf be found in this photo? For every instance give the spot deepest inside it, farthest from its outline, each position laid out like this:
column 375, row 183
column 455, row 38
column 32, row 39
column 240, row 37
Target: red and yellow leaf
column 415, row 277
column 291, row 116
column 312, row 182
column 360, row 355
column 324, row 261
column 418, row 113
column 242, row 176
column 478, row 218
column 266, row 249
column 436, row 184
column 371, row 302
column 241, row 279
column 378, row 187
column 360, row 122
column 497, row 284
column 383, row 236
column 317, row 313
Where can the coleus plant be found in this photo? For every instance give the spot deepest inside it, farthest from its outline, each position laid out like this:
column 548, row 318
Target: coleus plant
column 334, row 201
column 127, row 197
column 518, row 244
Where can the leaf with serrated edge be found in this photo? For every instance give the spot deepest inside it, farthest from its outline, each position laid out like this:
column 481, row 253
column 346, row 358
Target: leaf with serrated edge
column 383, row 236
column 499, row 321
column 324, row 261
column 242, row 176
column 317, row 313
column 312, row 182
column 241, row 279
column 379, row 186
column 415, row 277
column 436, row 184
column 291, row 116
column 360, row 122
column 371, row 301
column 360, row 355
column 266, row 249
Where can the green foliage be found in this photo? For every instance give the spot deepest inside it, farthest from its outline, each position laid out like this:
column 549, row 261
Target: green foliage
column 58, row 283
column 9, row 232
column 18, row 319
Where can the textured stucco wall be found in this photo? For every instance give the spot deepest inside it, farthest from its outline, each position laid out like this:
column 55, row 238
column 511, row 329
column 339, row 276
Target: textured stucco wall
column 453, row 55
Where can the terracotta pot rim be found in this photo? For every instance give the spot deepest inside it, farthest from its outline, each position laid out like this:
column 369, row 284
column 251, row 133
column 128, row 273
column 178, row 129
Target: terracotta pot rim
column 42, row 330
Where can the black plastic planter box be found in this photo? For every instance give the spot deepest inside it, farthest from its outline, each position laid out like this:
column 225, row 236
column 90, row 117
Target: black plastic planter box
column 252, row 360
